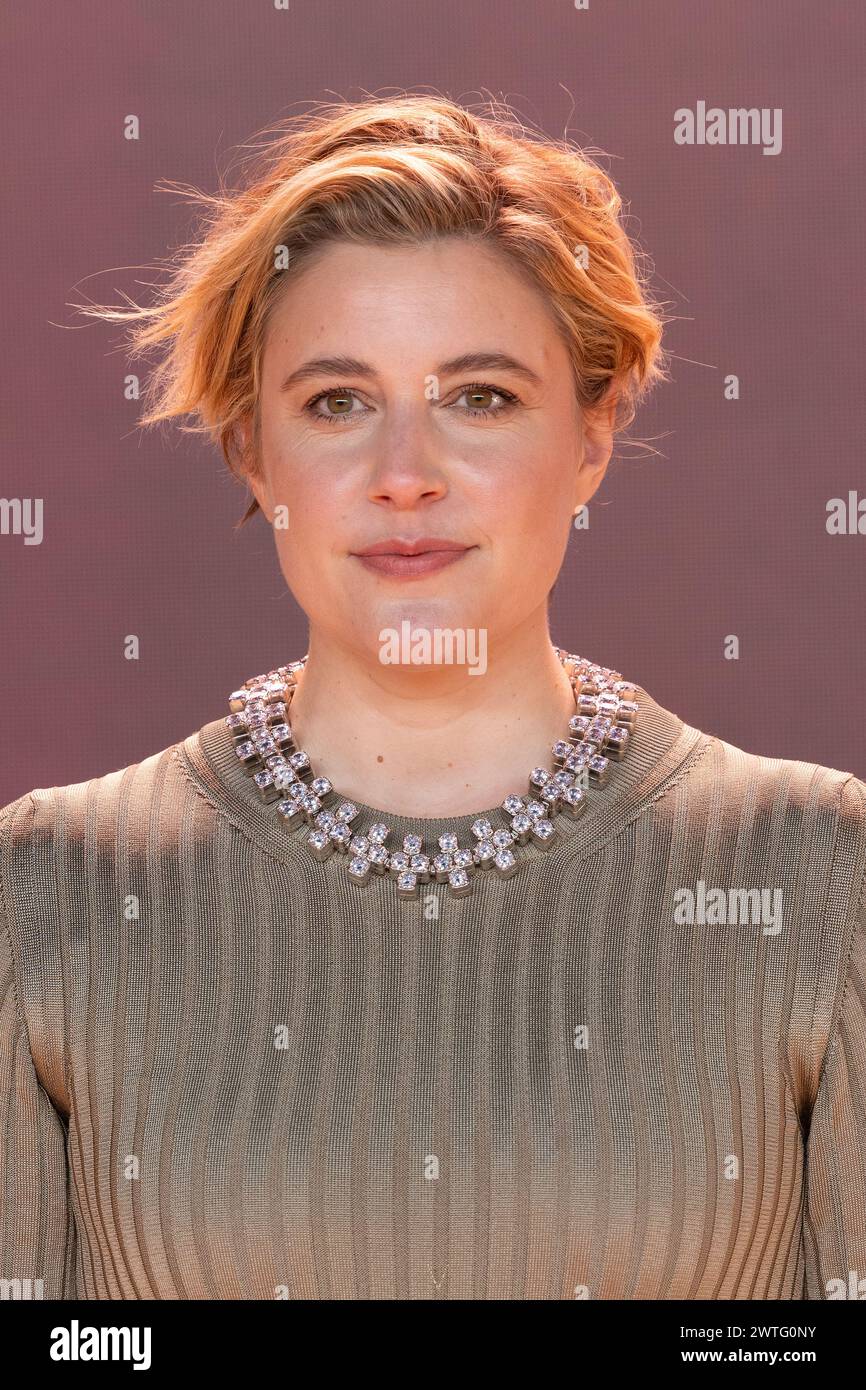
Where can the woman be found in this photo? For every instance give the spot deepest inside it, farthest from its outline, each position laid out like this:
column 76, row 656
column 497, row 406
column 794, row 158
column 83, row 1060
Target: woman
column 441, row 963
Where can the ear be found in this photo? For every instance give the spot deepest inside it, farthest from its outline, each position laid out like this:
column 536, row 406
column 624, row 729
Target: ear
column 596, row 445
column 242, row 433
column 600, row 419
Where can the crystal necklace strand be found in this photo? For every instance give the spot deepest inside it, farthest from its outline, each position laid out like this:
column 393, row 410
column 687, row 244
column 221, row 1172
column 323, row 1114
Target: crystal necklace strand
column 598, row 733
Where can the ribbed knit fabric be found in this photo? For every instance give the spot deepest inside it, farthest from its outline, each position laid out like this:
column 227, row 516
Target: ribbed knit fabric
column 227, row 1071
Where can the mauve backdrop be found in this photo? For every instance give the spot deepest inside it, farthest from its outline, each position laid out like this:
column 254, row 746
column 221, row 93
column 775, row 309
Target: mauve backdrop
column 759, row 256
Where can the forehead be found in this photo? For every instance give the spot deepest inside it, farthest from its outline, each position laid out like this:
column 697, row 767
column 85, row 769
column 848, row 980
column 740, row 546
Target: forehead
column 434, row 295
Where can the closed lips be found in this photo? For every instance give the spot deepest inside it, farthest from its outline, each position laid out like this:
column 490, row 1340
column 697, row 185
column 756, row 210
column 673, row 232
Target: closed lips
column 419, row 547
column 407, row 560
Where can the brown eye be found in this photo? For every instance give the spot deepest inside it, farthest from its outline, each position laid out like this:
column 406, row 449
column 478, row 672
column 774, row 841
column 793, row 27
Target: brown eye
column 340, row 400
column 485, row 402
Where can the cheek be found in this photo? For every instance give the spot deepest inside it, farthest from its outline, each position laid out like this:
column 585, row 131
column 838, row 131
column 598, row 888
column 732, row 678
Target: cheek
column 312, row 499
column 312, row 545
column 524, row 505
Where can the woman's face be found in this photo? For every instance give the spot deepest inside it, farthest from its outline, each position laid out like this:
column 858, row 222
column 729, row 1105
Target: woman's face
column 454, row 421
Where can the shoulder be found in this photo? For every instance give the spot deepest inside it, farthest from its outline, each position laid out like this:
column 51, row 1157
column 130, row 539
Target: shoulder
column 61, row 845
column 793, row 828
column 780, row 843
column 101, row 806
column 78, row 863
column 803, row 804
column 786, row 826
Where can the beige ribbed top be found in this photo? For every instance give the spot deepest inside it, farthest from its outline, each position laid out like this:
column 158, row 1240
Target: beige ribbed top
column 227, row 1071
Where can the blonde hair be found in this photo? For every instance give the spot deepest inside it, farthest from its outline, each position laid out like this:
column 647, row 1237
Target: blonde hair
column 392, row 172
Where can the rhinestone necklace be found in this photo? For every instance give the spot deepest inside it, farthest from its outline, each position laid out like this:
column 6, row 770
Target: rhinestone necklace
column 598, row 733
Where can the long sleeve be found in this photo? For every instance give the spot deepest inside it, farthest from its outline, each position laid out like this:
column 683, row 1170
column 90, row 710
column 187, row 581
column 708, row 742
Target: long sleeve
column 253, row 1062
column 37, row 1230
column 834, row 1226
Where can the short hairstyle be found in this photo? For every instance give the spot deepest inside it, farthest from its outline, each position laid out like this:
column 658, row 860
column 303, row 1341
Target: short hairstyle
column 392, row 172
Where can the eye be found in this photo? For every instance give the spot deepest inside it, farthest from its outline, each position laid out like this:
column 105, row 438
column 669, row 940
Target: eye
column 341, row 397
column 479, row 405
column 339, row 400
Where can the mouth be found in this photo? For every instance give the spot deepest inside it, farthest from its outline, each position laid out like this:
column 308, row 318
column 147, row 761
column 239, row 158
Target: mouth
column 408, row 559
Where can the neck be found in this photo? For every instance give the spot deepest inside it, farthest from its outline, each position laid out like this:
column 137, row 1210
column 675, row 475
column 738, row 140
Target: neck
column 432, row 740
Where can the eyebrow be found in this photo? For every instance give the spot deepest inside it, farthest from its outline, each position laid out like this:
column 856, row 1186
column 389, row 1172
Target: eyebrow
column 467, row 362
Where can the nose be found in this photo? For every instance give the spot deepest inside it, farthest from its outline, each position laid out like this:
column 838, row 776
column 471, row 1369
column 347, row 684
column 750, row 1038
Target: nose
column 406, row 468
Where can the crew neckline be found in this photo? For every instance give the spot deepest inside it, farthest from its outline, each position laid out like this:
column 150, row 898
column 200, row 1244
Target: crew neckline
column 661, row 748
